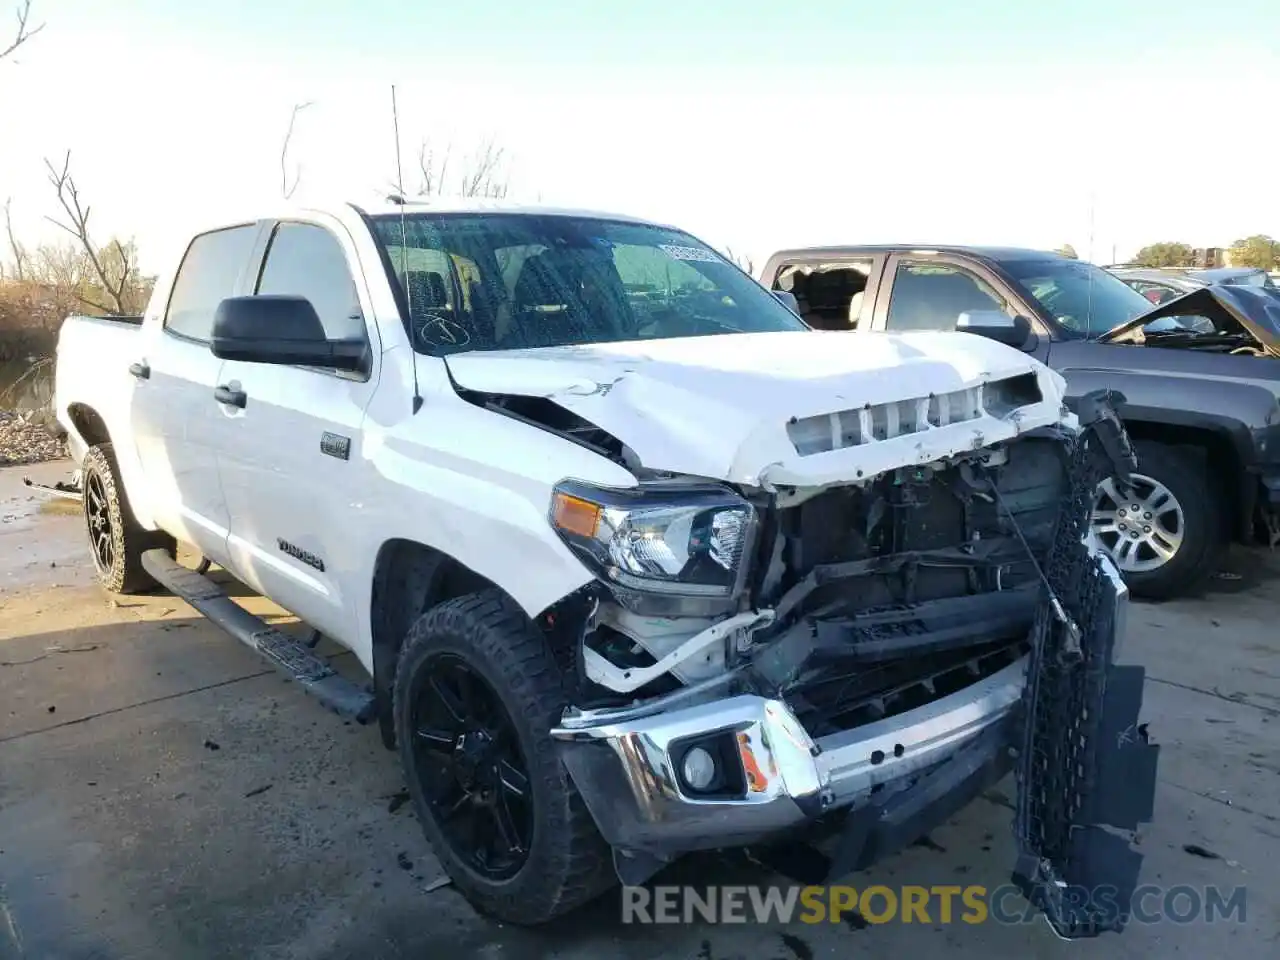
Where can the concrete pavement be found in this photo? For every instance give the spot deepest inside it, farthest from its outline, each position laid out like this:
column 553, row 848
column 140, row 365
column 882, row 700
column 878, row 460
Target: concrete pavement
column 162, row 794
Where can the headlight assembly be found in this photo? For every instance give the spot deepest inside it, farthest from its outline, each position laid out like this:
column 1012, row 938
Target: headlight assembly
column 682, row 549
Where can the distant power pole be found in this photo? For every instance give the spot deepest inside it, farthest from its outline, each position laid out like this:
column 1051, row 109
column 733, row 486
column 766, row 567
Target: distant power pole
column 1092, row 199
column 1113, row 253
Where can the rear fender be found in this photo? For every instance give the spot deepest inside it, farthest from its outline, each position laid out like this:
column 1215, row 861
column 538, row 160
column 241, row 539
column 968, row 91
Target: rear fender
column 86, row 428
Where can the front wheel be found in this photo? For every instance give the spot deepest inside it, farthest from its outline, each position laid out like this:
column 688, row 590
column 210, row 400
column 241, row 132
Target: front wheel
column 1166, row 532
column 476, row 694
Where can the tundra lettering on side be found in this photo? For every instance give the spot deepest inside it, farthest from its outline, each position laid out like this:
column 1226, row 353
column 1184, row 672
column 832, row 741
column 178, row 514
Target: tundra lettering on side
column 636, row 563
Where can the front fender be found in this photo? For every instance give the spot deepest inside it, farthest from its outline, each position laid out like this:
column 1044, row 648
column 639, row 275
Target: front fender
column 1233, row 409
column 476, row 486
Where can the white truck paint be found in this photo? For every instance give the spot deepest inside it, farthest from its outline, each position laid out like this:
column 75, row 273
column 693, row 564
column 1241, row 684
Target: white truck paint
column 789, row 413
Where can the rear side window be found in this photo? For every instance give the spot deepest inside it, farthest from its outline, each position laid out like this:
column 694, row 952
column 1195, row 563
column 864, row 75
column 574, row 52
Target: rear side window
column 305, row 260
column 206, row 277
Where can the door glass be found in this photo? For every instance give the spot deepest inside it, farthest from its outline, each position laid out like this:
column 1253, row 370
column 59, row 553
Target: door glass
column 931, row 296
column 206, row 277
column 829, row 296
column 305, row 260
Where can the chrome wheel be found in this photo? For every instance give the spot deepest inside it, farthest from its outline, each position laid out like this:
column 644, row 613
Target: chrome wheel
column 1141, row 528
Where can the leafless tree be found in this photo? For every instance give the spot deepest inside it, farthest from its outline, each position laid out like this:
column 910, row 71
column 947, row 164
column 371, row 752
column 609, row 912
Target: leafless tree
column 481, row 175
column 113, row 273
column 16, row 249
column 742, row 260
column 285, row 190
column 25, row 30
column 433, row 176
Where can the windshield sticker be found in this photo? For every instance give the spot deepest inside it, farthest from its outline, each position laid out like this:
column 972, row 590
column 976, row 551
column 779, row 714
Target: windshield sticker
column 689, row 253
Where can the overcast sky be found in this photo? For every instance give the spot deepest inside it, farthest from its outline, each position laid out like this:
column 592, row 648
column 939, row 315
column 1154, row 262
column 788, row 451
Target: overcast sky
column 754, row 125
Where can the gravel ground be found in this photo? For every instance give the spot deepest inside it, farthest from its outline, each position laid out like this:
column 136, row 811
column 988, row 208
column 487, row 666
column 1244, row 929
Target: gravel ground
column 24, row 439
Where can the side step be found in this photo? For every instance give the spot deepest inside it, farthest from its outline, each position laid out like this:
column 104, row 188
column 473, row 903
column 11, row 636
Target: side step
column 287, row 654
column 68, row 491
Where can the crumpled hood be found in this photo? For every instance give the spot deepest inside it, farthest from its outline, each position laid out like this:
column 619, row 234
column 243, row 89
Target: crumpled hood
column 1255, row 310
column 719, row 406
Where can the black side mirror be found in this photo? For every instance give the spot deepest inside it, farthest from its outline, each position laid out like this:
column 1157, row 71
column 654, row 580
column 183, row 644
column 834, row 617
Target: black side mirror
column 998, row 326
column 272, row 328
column 788, row 300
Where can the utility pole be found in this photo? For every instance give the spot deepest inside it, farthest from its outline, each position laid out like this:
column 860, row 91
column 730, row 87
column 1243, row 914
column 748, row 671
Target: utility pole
column 1092, row 202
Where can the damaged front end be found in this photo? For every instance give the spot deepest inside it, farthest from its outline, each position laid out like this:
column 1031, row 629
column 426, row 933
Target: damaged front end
column 865, row 658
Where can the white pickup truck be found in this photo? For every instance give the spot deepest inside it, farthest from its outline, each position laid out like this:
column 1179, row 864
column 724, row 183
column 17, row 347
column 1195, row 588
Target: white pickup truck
column 637, row 563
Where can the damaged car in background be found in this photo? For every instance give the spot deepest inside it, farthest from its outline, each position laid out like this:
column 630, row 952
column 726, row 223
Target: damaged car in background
column 1199, row 374
column 636, row 563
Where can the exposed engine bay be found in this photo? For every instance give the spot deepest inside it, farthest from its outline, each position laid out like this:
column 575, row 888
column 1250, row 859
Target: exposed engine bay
column 1223, row 318
column 875, row 597
column 880, row 601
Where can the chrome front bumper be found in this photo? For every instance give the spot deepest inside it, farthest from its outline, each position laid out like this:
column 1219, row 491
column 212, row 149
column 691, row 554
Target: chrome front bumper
column 624, row 767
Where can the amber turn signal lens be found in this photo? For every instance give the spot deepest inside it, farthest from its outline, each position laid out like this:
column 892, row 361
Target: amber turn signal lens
column 575, row 515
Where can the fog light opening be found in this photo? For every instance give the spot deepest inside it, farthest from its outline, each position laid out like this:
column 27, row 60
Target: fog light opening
column 708, row 766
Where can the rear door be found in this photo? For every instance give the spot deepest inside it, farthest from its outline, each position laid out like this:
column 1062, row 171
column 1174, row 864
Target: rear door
column 173, row 414
column 927, row 291
column 290, row 459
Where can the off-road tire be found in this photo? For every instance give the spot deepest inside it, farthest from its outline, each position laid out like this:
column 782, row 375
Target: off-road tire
column 1206, row 537
column 569, row 862
column 129, row 540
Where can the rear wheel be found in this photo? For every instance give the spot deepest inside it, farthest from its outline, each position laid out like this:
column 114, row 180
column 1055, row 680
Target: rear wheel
column 116, row 540
column 1166, row 532
column 476, row 694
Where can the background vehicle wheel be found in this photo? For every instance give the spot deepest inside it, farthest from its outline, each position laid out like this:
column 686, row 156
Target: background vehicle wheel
column 1168, row 532
column 476, row 693
column 116, row 541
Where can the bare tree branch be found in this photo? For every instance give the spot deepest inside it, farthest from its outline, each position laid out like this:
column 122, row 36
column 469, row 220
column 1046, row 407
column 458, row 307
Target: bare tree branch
column 25, row 30
column 78, row 227
column 481, row 174
column 433, row 180
column 744, row 261
column 19, row 252
column 482, row 179
column 285, row 190
column 90, row 302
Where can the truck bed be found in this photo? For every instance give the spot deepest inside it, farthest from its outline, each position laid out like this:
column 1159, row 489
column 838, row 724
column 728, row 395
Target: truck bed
column 94, row 354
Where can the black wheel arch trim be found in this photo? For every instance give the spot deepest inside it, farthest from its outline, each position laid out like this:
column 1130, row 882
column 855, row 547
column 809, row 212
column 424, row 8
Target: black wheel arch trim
column 1236, row 415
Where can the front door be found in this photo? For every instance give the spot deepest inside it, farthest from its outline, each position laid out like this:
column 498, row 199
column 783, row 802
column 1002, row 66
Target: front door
column 173, row 414
column 930, row 292
column 291, row 458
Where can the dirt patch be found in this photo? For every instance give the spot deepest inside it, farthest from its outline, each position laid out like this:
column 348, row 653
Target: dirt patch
column 61, row 507
column 24, row 439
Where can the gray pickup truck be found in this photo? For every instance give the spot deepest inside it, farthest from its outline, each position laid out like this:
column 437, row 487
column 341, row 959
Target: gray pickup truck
column 1200, row 374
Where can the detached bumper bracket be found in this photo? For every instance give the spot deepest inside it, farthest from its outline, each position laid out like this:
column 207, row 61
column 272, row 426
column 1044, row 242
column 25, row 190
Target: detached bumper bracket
column 1086, row 771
